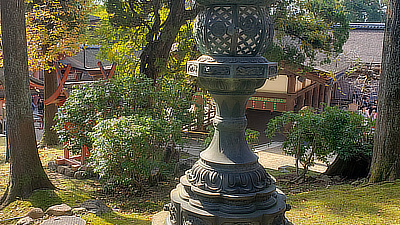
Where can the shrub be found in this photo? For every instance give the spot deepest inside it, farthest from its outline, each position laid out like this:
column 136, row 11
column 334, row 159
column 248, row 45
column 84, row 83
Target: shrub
column 126, row 149
column 347, row 134
column 106, row 99
column 102, row 115
column 315, row 135
column 100, row 100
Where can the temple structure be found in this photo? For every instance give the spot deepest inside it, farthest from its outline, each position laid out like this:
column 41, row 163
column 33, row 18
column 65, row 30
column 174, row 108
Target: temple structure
column 351, row 75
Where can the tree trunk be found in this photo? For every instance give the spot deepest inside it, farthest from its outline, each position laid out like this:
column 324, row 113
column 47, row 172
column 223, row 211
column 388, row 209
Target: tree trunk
column 386, row 154
column 50, row 137
column 155, row 55
column 356, row 167
column 26, row 171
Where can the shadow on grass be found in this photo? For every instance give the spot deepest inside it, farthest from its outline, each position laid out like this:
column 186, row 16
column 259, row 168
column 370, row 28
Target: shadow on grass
column 44, row 199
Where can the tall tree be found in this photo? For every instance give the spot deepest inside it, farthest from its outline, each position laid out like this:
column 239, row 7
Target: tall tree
column 156, row 24
column 152, row 27
column 386, row 153
column 55, row 29
column 304, row 29
column 26, row 174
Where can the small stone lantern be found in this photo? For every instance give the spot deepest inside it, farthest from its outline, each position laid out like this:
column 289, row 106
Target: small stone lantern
column 227, row 185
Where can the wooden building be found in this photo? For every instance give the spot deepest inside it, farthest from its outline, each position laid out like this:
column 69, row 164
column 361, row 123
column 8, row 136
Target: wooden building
column 293, row 89
column 362, row 55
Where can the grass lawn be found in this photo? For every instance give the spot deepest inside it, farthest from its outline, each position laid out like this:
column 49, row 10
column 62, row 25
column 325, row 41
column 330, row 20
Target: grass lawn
column 69, row 191
column 346, row 204
column 311, row 204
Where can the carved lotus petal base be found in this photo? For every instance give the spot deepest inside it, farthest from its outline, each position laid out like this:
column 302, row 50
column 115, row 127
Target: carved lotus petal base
column 219, row 194
column 186, row 210
column 244, row 180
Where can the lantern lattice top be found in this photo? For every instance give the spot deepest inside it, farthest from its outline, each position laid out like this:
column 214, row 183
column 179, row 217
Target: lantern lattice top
column 233, row 30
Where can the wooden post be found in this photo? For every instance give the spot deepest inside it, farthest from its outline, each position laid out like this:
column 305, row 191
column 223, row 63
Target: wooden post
column 83, row 154
column 66, row 153
column 308, row 98
column 328, row 93
column 291, row 85
column 321, row 94
column 300, row 101
column 315, row 102
column 291, row 89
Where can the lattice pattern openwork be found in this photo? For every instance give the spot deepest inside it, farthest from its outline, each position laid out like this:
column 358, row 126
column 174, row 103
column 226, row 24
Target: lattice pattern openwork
column 219, row 30
column 232, row 30
column 251, row 32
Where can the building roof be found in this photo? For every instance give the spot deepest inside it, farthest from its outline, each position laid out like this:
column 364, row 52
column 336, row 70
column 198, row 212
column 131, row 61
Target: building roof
column 364, row 45
column 85, row 59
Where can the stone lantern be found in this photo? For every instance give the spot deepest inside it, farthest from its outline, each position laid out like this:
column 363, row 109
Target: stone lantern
column 227, row 185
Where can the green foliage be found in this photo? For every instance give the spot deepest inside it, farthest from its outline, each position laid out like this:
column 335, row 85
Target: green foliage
column 184, row 49
column 55, row 29
column 305, row 28
column 315, row 134
column 347, row 134
column 304, row 137
column 146, row 30
column 251, row 137
column 118, row 44
column 360, row 11
column 123, row 42
column 126, row 149
column 121, row 107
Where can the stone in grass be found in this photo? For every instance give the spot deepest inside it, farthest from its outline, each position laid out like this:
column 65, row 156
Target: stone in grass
column 79, row 210
column 95, row 206
column 183, row 165
column 59, row 210
column 25, row 221
column 64, row 220
column 35, row 213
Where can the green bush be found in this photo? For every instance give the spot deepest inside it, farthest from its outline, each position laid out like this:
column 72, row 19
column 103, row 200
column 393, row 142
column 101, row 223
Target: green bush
column 347, row 134
column 110, row 116
column 126, row 149
column 100, row 100
column 315, row 135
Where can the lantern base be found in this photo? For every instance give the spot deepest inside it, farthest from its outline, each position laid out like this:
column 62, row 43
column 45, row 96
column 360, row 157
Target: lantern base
column 221, row 194
column 182, row 212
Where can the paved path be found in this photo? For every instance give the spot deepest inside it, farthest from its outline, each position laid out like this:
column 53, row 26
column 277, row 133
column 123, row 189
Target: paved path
column 270, row 156
column 273, row 157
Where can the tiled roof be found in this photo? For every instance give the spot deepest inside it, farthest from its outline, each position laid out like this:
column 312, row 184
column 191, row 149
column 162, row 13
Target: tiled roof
column 363, row 45
column 85, row 59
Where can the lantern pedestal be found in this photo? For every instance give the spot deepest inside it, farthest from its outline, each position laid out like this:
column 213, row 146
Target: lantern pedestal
column 227, row 185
